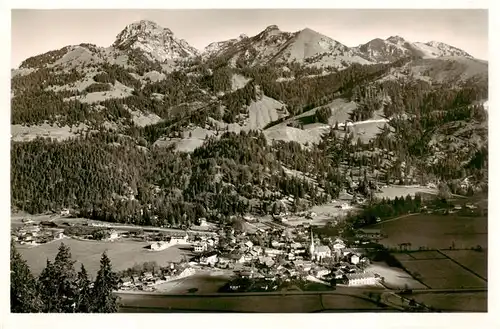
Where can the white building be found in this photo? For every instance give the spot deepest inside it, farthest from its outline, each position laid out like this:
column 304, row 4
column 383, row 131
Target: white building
column 209, row 260
column 113, row 235
column 345, row 206
column 181, row 239
column 273, row 252
column 338, row 246
column 200, row 247
column 354, row 259
column 322, row 272
column 161, row 245
column 361, row 279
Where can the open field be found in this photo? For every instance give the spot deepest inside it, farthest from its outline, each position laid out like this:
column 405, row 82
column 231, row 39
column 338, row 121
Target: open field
column 431, row 254
column 324, row 213
column 459, row 301
column 443, row 274
column 123, row 254
column 394, row 277
column 402, row 256
column 475, row 261
column 435, row 231
column 394, row 191
column 206, row 283
column 265, row 303
column 22, row 133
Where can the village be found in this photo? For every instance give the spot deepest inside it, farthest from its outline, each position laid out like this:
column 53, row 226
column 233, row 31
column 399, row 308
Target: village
column 252, row 250
column 254, row 254
column 263, row 260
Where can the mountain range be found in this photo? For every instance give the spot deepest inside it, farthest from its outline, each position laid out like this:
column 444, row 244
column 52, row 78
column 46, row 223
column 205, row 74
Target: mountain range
column 271, row 45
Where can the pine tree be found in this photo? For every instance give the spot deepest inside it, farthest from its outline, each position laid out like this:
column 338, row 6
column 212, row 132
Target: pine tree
column 24, row 297
column 58, row 283
column 102, row 294
column 48, row 288
column 84, row 297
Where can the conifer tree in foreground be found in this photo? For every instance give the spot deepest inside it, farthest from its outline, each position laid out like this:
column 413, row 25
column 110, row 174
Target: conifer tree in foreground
column 58, row 283
column 84, row 292
column 103, row 299
column 24, row 296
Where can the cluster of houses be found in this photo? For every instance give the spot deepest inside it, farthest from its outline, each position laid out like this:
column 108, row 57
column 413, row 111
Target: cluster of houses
column 281, row 256
column 147, row 281
column 173, row 240
column 199, row 243
column 34, row 234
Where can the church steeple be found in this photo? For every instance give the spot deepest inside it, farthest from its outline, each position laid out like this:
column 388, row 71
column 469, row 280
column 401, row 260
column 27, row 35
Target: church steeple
column 311, row 246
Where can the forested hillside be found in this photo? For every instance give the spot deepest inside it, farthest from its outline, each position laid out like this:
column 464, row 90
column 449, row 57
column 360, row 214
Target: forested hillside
column 136, row 107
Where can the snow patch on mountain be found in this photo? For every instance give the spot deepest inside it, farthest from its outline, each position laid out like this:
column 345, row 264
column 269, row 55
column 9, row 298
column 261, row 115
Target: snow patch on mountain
column 21, row 133
column 152, row 76
column 291, row 134
column 435, row 49
column 143, row 119
column 238, row 81
column 217, row 47
column 264, row 111
column 118, row 91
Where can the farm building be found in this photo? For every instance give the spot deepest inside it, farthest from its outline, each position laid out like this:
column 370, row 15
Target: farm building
column 210, row 259
column 370, row 233
column 161, row 245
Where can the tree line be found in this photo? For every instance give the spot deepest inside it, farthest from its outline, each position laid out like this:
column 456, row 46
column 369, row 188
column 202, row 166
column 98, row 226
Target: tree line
column 108, row 177
column 59, row 288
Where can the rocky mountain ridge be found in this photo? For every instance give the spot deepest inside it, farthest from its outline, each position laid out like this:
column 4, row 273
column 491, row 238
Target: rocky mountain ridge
column 308, row 47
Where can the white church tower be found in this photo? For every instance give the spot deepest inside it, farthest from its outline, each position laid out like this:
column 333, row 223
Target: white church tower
column 311, row 246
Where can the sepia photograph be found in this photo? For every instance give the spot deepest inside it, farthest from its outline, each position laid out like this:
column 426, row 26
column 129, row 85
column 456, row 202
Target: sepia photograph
column 249, row 161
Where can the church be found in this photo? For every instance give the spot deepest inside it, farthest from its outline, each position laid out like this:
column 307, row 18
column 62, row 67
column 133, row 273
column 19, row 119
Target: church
column 319, row 252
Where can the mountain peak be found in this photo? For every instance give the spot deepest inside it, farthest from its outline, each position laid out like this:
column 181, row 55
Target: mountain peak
column 155, row 41
column 142, row 28
column 271, row 28
column 396, row 39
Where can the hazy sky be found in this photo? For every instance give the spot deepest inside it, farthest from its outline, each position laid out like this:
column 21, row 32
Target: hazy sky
column 37, row 31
